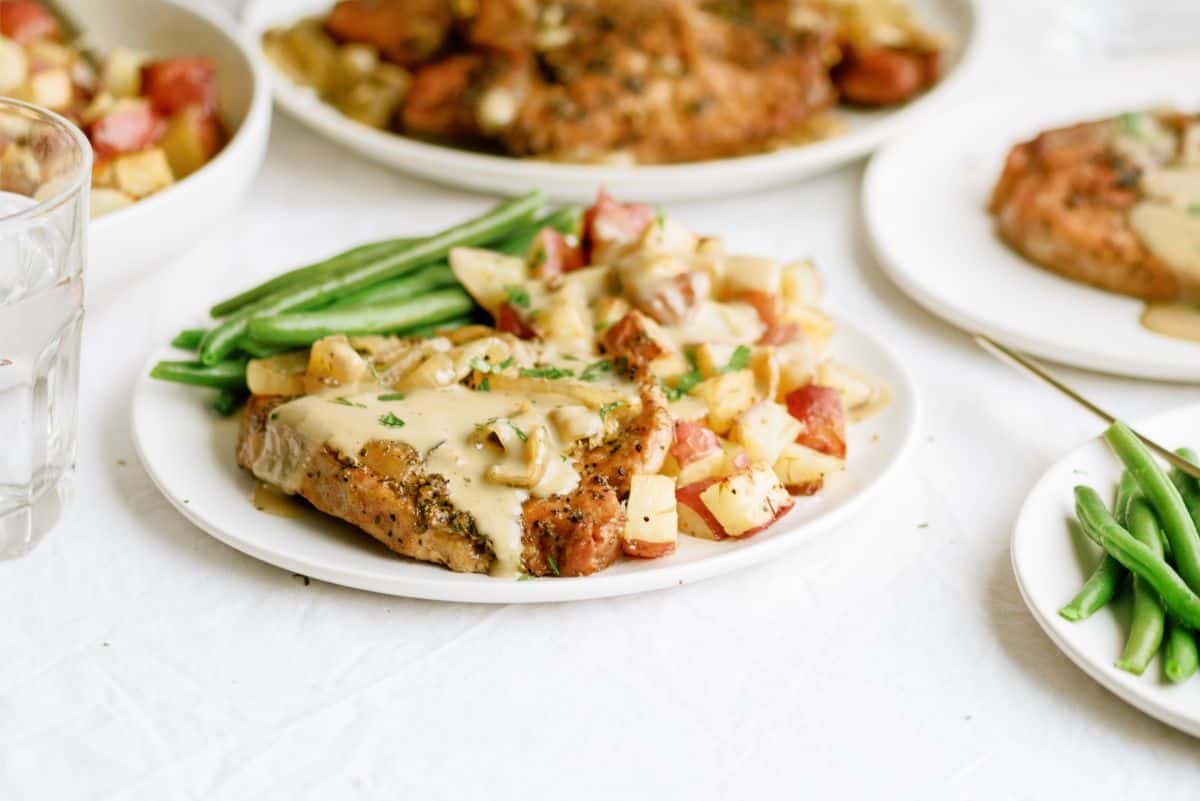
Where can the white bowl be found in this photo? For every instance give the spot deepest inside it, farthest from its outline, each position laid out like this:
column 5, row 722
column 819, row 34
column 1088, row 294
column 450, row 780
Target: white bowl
column 136, row 239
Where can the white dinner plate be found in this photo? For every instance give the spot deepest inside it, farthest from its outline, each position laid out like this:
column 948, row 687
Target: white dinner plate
column 1051, row 562
column 711, row 179
column 189, row 453
column 925, row 201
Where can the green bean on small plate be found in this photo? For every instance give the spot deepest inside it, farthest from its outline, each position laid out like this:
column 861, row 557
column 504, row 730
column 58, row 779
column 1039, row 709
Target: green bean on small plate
column 1130, row 625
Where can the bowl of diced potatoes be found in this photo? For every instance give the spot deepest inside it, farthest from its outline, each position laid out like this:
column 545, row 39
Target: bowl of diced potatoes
column 174, row 102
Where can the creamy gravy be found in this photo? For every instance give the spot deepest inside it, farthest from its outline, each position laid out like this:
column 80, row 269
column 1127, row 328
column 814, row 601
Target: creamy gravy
column 495, row 449
column 1176, row 320
column 276, row 502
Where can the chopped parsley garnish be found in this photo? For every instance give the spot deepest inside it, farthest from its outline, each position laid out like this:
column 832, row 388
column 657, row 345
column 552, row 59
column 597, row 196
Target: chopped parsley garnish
column 1194, row 209
column 1131, row 123
column 517, row 296
column 483, row 366
column 526, row 577
column 608, row 407
column 485, row 385
column 600, row 326
column 660, row 216
column 391, row 396
column 550, row 372
column 553, row 564
column 390, row 420
column 343, row 401
column 685, row 382
column 521, row 435
column 593, row 370
column 740, row 360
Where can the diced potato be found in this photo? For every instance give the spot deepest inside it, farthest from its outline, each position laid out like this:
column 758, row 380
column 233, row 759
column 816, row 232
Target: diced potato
column 50, row 88
column 333, row 362
column 803, row 470
column 800, row 284
column 751, row 274
column 732, row 323
column 591, row 283
column 711, row 358
column 687, row 408
column 371, row 101
column 106, row 201
column 487, row 275
column 710, row 466
column 142, row 173
column 651, row 523
column 278, row 375
column 822, row 416
column 122, row 72
column 764, row 429
column 191, row 138
column 765, row 366
column 747, row 502
column 306, row 54
column 815, row 324
column 855, row 388
column 49, row 54
column 565, row 319
column 14, row 66
column 101, row 104
column 103, row 174
column 693, row 517
column 726, row 396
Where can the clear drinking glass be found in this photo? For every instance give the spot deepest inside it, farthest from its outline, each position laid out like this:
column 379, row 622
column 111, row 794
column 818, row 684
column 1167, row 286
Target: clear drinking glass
column 45, row 174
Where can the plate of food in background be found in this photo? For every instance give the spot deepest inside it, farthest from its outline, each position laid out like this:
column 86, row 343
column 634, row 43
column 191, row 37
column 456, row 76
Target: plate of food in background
column 601, row 401
column 662, row 100
column 1062, row 219
column 175, row 106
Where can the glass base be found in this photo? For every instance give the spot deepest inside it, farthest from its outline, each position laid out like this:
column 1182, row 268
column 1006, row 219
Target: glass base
column 21, row 529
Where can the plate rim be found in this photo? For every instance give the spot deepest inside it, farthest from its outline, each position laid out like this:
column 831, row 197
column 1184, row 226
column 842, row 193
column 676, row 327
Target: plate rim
column 1140, row 694
column 741, row 174
column 435, row 588
column 874, row 186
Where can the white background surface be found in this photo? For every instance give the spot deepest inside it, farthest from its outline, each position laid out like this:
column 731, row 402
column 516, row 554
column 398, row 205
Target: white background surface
column 141, row 659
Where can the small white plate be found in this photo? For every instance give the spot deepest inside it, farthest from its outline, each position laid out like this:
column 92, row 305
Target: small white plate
column 709, row 179
column 1051, row 562
column 189, row 453
column 925, row 201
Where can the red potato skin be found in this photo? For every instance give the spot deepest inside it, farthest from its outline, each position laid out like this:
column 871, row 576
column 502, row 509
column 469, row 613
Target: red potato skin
column 693, row 441
column 609, row 223
column 126, row 131
column 173, row 84
column 629, row 338
column 807, row 488
column 770, row 311
column 25, row 21
column 553, row 255
column 507, row 319
column 745, row 535
column 689, row 496
column 640, row 549
column 824, row 418
column 433, row 103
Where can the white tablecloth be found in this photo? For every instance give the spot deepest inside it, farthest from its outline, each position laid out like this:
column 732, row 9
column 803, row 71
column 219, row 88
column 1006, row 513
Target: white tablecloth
column 142, row 659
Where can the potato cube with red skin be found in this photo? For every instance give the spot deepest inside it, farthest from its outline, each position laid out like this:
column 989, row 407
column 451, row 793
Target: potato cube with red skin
column 764, row 429
column 173, row 84
column 726, row 395
column 508, row 319
column 695, row 454
column 130, row 126
column 644, row 343
column 609, row 224
column 651, row 524
column 823, row 415
column 746, row 502
column 553, row 255
column 693, row 516
column 191, row 139
column 25, row 21
column 803, row 470
column 771, row 312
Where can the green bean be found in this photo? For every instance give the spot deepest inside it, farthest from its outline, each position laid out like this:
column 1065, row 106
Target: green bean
column 1173, row 591
column 1146, row 627
column 494, row 225
column 310, row 272
column 230, row 374
column 436, row 276
column 304, row 328
column 432, row 329
column 1105, row 580
column 1177, row 524
column 258, row 350
column 1179, row 653
column 228, row 401
column 1182, row 481
column 564, row 220
column 188, row 339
